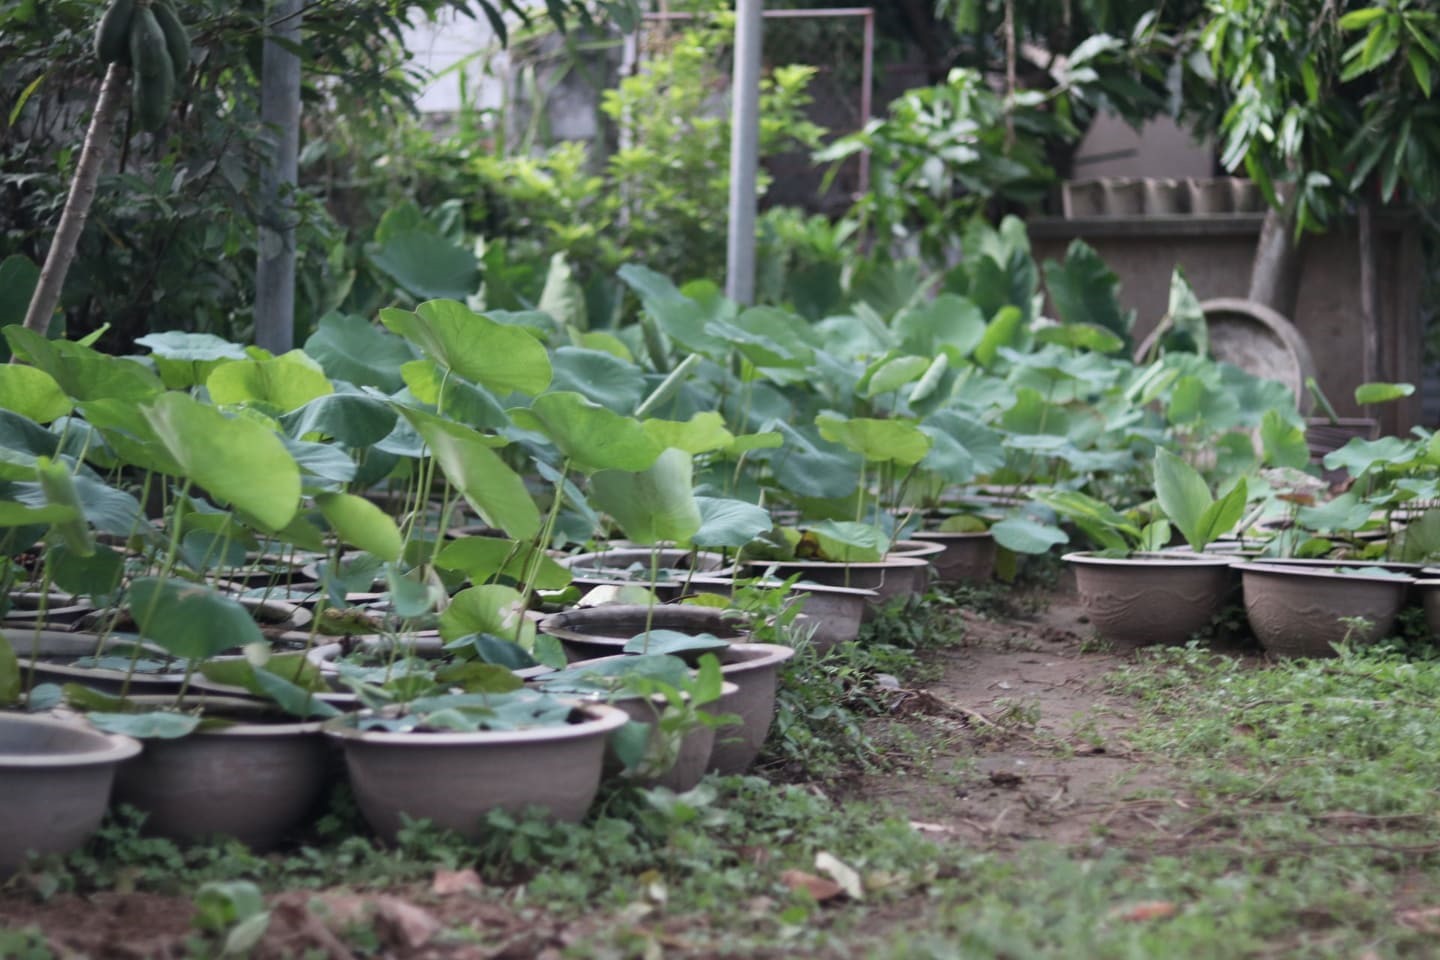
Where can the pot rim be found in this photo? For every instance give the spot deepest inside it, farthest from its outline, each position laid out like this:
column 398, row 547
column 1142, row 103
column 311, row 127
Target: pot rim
column 943, row 535
column 774, row 655
column 914, row 547
column 800, row 586
column 212, row 706
column 888, row 563
column 1397, row 580
column 1150, row 559
column 109, row 747
column 601, row 719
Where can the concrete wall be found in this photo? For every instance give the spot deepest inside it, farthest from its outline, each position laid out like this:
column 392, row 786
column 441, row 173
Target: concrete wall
column 1160, row 148
column 1215, row 253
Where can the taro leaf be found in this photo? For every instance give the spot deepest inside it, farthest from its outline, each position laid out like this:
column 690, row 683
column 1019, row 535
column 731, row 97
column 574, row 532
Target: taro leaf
column 159, row 725
column 1084, row 290
column 14, row 514
column 1360, row 456
column 59, row 488
column 495, row 491
column 1183, row 495
column 729, row 523
column 1106, row 526
column 963, row 523
column 892, row 373
column 878, row 441
column 292, row 698
column 1345, row 512
column 235, row 459
column 185, row 360
column 654, row 504
column 930, row 382
column 1081, row 336
column 804, row 466
column 1221, row 516
column 127, row 431
column 459, row 398
column 107, row 509
column 239, row 672
column 683, row 319
column 948, row 324
column 600, row 377
column 83, row 373
column 428, row 265
column 630, row 743
column 190, row 621
column 490, row 608
column 493, row 649
column 483, row 558
column 850, row 542
column 361, row 523
column 1007, row 329
column 225, row 907
column 1419, row 542
column 410, row 594
column 611, row 675
column 590, row 436
column 286, row 382
column 1034, row 415
column 476, row 677
column 494, row 355
column 1188, row 330
column 10, row 684
column 1283, row 442
column 702, row 433
column 329, row 464
column 353, row 419
column 1025, row 535
column 674, row 642
column 1371, row 392
column 203, row 551
column 32, row 393
column 982, row 443
column 353, row 349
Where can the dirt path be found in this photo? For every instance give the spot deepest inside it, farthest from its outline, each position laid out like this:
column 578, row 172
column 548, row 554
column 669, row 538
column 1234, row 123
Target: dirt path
column 1029, row 745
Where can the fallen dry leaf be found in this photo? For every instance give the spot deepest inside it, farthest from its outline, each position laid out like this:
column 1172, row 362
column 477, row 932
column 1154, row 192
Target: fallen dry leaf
column 1004, row 778
column 450, row 882
column 1425, row 919
column 842, row 873
column 1148, row 910
column 818, row 887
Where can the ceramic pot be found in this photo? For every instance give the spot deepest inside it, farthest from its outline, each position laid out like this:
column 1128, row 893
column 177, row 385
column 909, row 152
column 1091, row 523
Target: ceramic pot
column 692, row 753
column 56, row 777
column 754, row 668
column 455, row 779
column 1301, row 611
column 61, row 609
column 58, row 657
column 1155, row 598
column 254, row 779
column 890, row 578
column 833, row 615
column 617, row 566
column 1209, row 195
column 1082, row 198
column 1165, row 196
column 966, row 557
column 1122, row 196
column 604, row 630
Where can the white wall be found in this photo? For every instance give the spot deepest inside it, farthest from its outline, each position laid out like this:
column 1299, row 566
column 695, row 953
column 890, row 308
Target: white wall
column 453, row 38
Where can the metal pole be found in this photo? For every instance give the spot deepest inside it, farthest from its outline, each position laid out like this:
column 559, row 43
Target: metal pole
column 867, row 75
column 744, row 151
column 280, row 114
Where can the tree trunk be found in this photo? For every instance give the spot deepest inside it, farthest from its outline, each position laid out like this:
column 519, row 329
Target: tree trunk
column 77, row 205
column 280, row 112
column 1275, row 271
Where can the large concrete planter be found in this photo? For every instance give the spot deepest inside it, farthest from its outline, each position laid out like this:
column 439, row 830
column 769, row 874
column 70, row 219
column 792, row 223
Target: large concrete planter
column 966, row 557
column 754, row 668
column 1304, row 611
column 604, row 630
column 455, row 779
column 254, row 780
column 1157, row 598
column 55, row 779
